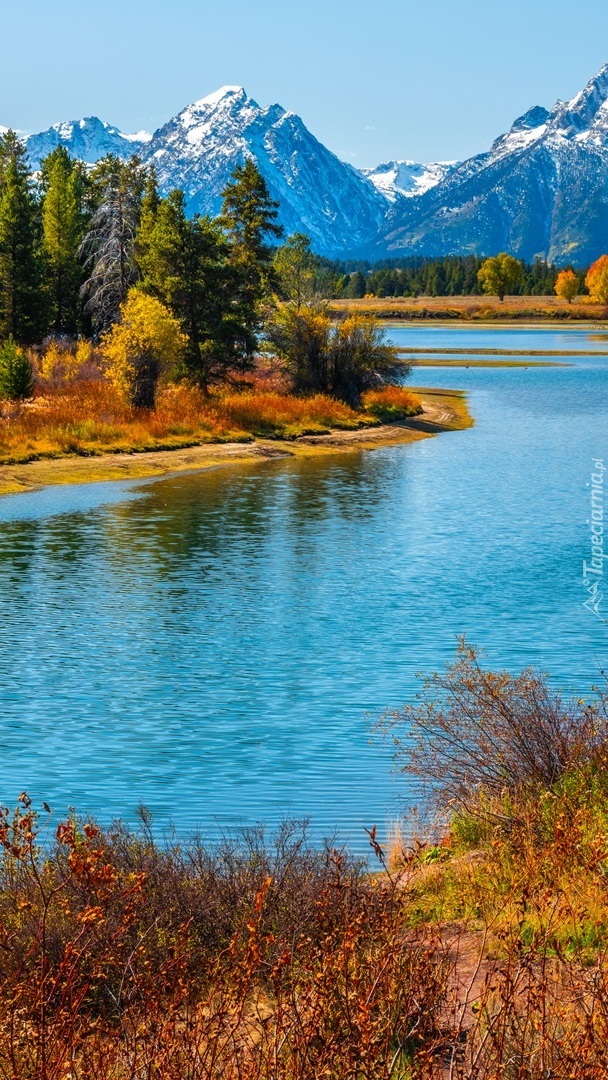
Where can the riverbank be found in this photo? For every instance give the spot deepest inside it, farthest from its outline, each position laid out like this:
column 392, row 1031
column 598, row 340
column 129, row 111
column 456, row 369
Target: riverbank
column 477, row 309
column 442, row 411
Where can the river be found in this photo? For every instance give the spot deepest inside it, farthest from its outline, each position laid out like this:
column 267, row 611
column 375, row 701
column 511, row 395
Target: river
column 214, row 645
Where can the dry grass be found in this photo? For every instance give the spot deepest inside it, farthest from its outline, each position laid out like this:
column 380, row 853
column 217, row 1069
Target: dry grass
column 392, row 403
column 90, row 417
column 475, row 308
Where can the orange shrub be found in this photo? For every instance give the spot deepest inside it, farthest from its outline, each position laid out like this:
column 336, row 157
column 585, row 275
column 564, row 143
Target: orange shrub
column 270, row 412
column 392, row 403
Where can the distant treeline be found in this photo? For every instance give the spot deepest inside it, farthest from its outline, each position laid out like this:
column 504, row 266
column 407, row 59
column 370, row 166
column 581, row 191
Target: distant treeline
column 416, row 276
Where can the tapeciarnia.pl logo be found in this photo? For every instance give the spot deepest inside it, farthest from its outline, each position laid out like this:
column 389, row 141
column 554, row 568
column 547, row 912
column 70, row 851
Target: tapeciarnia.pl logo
column 593, row 571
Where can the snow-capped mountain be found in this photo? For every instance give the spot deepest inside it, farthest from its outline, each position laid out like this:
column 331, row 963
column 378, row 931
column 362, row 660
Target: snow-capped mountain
column 318, row 194
column 542, row 189
column 407, row 178
column 89, row 140
column 199, row 148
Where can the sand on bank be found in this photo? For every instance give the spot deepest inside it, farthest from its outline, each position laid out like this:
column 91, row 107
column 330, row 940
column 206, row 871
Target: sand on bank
column 444, row 410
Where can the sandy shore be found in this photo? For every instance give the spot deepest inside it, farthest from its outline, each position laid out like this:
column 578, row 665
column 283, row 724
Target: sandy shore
column 443, row 411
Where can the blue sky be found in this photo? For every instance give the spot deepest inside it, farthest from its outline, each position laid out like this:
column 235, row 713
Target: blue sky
column 424, row 80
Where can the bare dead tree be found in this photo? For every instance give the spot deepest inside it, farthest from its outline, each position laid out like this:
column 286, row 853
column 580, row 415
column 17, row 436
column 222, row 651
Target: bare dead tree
column 108, row 247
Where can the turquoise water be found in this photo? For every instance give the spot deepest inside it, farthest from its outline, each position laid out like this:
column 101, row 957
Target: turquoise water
column 212, row 645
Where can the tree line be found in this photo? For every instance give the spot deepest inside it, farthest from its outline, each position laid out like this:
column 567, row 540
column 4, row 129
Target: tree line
column 74, row 241
column 450, row 276
column 99, row 253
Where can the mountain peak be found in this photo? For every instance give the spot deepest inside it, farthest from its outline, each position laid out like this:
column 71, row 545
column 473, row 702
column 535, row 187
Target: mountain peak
column 88, row 139
column 533, row 118
column 586, row 115
column 233, row 93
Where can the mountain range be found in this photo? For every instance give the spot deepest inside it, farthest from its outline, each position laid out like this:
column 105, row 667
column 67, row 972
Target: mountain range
column 540, row 190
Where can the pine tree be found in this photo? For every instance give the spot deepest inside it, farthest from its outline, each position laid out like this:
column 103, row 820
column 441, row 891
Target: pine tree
column 185, row 264
column 11, row 149
column 63, row 226
column 21, row 302
column 109, row 245
column 147, row 218
column 16, row 373
column 356, row 288
column 249, row 219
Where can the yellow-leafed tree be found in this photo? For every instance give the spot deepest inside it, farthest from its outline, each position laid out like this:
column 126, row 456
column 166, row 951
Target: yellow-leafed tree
column 500, row 275
column 567, row 285
column 143, row 346
column 597, row 280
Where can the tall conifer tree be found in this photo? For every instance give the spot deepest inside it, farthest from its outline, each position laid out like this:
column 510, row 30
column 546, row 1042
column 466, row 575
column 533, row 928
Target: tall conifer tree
column 63, row 226
column 21, row 301
column 249, row 219
column 185, row 263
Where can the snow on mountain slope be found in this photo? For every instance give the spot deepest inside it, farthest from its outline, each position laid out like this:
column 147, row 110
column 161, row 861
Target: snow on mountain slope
column 89, row 140
column 541, row 190
column 318, row 194
column 198, row 150
column 407, row 178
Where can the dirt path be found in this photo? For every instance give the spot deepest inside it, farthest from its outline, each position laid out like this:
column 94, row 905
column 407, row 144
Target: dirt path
column 442, row 412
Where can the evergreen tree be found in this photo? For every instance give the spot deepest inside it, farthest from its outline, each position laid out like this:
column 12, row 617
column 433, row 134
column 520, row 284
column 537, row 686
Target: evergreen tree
column 16, row 373
column 11, row 149
column 21, row 302
column 147, row 218
column 186, row 264
column 249, row 219
column 63, row 226
column 109, row 246
column 356, row 288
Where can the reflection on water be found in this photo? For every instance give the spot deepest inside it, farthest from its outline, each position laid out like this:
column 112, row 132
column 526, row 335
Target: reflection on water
column 210, row 644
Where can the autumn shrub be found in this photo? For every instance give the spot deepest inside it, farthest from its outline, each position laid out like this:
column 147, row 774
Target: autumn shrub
column 145, row 344
column 92, row 416
column 476, row 736
column 392, row 403
column 251, row 961
column 269, row 412
column 63, row 360
column 514, row 879
column 342, row 358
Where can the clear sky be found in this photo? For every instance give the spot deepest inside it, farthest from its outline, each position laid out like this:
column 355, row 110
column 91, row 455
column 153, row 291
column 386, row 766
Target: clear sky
column 428, row 80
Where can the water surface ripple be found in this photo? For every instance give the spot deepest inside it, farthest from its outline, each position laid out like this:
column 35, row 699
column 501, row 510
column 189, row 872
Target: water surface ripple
column 212, row 644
